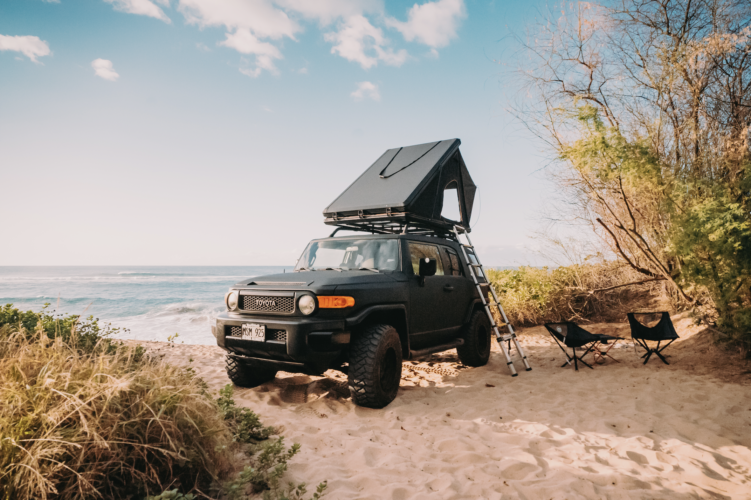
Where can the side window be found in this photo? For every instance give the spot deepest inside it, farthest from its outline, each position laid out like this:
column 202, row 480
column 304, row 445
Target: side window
column 419, row 251
column 455, row 269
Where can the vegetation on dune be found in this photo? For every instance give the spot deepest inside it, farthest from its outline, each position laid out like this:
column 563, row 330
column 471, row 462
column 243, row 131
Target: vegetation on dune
column 83, row 416
column 90, row 335
column 646, row 108
column 579, row 292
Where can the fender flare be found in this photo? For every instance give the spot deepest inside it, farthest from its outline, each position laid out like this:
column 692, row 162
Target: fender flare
column 471, row 309
column 363, row 315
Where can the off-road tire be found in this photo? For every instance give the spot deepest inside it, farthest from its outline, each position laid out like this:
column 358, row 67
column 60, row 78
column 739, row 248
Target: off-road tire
column 375, row 366
column 244, row 375
column 477, row 334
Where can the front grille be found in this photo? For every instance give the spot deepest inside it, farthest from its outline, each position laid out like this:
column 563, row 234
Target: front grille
column 278, row 335
column 268, row 303
column 272, row 335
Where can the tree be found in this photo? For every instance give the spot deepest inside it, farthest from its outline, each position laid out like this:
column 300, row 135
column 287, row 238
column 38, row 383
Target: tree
column 647, row 107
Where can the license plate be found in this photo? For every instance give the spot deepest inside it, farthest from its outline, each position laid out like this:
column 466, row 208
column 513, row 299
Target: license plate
column 253, row 331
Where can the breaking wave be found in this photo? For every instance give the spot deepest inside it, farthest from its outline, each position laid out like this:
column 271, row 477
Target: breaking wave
column 152, row 303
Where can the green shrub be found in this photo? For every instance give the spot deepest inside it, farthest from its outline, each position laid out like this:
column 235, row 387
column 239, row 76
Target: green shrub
column 265, row 474
column 579, row 292
column 87, row 333
column 246, row 425
column 172, row 495
column 268, row 459
column 714, row 241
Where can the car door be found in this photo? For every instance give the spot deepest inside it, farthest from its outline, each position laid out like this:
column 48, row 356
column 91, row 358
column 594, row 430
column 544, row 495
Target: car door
column 431, row 320
column 457, row 286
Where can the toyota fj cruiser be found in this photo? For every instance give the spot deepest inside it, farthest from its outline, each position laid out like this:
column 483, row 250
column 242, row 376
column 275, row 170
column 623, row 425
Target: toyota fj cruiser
column 401, row 288
column 366, row 302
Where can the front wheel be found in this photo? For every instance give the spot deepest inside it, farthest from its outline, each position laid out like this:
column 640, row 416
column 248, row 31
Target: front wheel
column 244, row 375
column 476, row 348
column 375, row 366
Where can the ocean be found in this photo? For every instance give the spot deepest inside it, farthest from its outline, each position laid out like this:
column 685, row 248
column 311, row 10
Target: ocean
column 152, row 302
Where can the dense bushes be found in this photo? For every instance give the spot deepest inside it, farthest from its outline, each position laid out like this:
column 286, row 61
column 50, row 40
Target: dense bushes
column 591, row 292
column 82, row 416
column 646, row 110
column 104, row 423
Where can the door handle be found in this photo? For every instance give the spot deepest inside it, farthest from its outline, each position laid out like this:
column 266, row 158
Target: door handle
column 448, row 288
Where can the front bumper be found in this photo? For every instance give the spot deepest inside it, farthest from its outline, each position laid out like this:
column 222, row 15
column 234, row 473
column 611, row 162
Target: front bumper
column 311, row 346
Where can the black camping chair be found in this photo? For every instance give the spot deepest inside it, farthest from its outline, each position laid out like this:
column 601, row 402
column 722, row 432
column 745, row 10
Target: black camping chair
column 572, row 335
column 662, row 331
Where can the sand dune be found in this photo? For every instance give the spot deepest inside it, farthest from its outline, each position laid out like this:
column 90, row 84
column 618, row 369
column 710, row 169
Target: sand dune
column 622, row 430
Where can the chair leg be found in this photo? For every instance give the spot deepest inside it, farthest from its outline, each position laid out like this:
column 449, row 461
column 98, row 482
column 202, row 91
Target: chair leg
column 568, row 358
column 589, row 349
column 611, row 357
column 585, row 363
column 659, row 351
column 607, row 351
column 661, row 357
column 576, row 366
column 649, row 354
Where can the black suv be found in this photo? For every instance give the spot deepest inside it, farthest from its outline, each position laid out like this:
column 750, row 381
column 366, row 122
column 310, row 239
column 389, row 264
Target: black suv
column 360, row 304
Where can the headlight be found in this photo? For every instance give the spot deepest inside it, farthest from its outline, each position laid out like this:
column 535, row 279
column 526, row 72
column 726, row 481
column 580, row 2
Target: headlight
column 231, row 300
column 307, row 304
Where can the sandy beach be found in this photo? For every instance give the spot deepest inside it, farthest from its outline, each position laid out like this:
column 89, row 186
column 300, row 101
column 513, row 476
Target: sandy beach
column 621, row 430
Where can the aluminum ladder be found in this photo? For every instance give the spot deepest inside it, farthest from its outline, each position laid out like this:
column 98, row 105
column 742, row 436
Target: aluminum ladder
column 468, row 250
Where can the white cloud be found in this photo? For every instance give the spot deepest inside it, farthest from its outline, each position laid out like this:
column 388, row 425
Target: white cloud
column 246, row 23
column 261, row 63
column 245, row 42
column 253, row 26
column 366, row 90
column 359, row 41
column 30, row 46
column 327, row 11
column 432, row 23
column 258, row 16
column 103, row 68
column 141, row 8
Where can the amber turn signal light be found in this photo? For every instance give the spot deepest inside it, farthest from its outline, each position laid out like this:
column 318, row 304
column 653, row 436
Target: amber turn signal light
column 334, row 302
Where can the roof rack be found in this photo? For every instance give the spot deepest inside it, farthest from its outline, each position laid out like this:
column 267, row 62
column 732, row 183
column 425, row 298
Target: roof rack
column 391, row 223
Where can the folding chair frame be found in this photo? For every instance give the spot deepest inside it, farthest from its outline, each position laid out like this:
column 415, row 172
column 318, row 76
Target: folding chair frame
column 599, row 354
column 656, row 350
column 576, row 358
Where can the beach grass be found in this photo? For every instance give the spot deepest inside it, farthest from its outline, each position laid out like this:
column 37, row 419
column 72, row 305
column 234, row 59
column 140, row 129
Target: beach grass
column 105, row 423
column 83, row 416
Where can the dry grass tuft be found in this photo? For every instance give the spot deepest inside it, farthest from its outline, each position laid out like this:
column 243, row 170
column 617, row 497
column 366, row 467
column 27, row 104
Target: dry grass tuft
column 579, row 292
column 101, row 422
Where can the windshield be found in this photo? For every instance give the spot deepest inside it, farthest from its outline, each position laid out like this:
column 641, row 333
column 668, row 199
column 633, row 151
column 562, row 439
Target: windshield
column 349, row 254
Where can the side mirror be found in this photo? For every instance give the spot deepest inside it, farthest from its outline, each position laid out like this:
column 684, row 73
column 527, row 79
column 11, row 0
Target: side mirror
column 427, row 268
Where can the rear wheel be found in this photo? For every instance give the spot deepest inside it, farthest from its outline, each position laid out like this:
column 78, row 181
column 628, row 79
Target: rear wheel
column 244, row 375
column 476, row 348
column 375, row 366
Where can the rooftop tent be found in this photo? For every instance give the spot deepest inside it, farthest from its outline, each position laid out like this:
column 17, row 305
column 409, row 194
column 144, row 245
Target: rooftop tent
column 404, row 190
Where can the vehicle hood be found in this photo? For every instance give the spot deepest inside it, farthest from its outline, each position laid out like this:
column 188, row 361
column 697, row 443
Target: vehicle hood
column 305, row 279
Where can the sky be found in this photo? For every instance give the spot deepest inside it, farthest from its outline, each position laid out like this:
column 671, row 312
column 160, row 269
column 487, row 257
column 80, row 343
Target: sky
column 215, row 132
